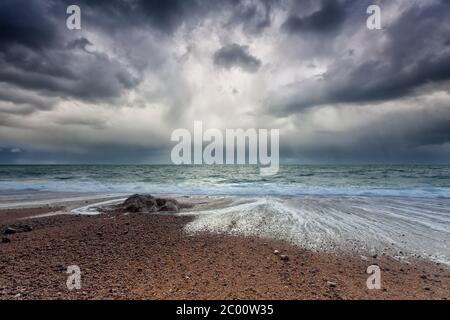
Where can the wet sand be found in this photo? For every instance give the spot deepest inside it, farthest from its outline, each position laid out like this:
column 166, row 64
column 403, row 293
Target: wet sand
column 145, row 256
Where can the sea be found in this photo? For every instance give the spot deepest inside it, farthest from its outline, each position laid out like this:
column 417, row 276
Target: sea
column 395, row 180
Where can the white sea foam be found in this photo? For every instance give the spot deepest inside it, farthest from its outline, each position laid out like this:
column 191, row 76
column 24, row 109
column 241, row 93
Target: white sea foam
column 93, row 209
column 398, row 227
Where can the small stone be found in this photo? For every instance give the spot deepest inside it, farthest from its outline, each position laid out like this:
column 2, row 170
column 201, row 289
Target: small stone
column 284, row 257
column 10, row 230
column 375, row 256
column 331, row 284
column 60, row 268
column 423, row 276
column 6, row 240
column 276, row 252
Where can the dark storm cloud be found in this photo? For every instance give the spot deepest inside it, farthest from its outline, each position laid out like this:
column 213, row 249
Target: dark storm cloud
column 38, row 54
column 165, row 16
column 82, row 122
column 125, row 43
column 25, row 102
column 80, row 43
column 24, row 22
column 65, row 75
column 418, row 136
column 254, row 17
column 328, row 18
column 414, row 55
column 234, row 55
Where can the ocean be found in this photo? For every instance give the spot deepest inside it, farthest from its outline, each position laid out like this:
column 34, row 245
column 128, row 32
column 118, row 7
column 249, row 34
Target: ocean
column 396, row 180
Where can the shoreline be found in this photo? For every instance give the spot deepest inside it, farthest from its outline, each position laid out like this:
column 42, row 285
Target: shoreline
column 146, row 256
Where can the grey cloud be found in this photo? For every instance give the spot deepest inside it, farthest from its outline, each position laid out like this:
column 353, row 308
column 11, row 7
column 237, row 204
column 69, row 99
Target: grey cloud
column 329, row 17
column 66, row 74
column 94, row 123
column 37, row 53
column 165, row 16
column 79, row 43
column 254, row 17
column 419, row 135
column 415, row 55
column 10, row 120
column 23, row 102
column 234, row 55
column 95, row 79
column 43, row 64
column 25, row 23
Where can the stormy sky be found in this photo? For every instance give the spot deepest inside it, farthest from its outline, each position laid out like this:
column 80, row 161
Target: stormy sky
column 114, row 91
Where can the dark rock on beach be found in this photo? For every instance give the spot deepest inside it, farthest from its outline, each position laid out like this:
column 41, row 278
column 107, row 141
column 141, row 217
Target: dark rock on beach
column 331, row 284
column 284, row 257
column 10, row 230
column 140, row 203
column 17, row 229
column 168, row 205
column 146, row 203
column 26, row 228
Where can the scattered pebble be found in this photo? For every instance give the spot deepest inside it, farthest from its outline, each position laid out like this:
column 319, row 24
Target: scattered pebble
column 331, row 284
column 313, row 270
column 10, row 230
